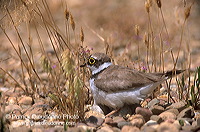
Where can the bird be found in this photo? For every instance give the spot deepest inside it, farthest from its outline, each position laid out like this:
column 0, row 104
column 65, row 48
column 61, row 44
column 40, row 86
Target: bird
column 114, row 86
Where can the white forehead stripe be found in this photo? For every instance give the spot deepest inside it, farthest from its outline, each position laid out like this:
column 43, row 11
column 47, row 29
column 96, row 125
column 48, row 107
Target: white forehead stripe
column 94, row 57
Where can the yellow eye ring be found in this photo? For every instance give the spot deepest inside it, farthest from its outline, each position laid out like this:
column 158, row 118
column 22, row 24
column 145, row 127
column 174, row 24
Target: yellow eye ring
column 91, row 61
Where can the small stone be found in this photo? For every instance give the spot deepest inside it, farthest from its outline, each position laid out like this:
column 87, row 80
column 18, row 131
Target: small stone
column 127, row 109
column 105, row 129
column 153, row 102
column 16, row 115
column 156, row 118
column 94, row 121
column 12, row 100
column 194, row 123
column 85, row 127
column 170, row 120
column 130, row 129
column 157, row 109
column 94, row 113
column 150, row 123
column 186, row 113
column 167, row 115
column 177, row 124
column 115, row 129
column 18, row 123
column 118, row 119
column 148, row 129
column 75, row 129
column 4, row 89
column 19, row 90
column 175, row 111
column 36, row 111
column 178, row 105
column 186, row 120
column 167, row 127
column 154, row 126
column 26, row 100
column 123, row 123
column 187, row 127
column 12, row 107
column 137, row 120
column 108, row 120
column 146, row 113
column 21, row 129
column 198, row 121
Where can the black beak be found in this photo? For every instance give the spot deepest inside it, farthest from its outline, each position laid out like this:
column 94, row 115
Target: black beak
column 83, row 65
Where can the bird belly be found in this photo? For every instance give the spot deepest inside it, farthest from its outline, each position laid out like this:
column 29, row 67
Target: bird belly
column 118, row 99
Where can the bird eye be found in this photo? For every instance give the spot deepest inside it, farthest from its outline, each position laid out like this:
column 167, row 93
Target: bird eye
column 91, row 61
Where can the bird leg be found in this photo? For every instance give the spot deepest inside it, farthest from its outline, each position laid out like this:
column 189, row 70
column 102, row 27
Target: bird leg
column 113, row 112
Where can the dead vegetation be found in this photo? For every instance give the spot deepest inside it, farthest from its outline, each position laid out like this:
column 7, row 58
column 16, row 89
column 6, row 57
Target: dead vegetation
column 44, row 52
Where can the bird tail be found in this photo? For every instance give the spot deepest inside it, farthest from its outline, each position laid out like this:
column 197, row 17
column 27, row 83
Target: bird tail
column 172, row 73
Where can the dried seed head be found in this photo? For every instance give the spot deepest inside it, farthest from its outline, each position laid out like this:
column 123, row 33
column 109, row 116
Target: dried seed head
column 67, row 14
column 137, row 28
column 187, row 12
column 46, row 65
column 67, row 62
column 72, row 21
column 82, row 35
column 78, row 84
column 158, row 2
column 148, row 4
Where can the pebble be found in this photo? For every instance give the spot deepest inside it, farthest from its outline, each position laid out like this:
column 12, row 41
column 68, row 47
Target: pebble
column 177, row 124
column 16, row 114
column 146, row 113
column 148, row 129
column 19, row 90
column 157, row 109
column 94, row 121
column 11, row 107
column 175, row 111
column 105, row 129
column 178, row 105
column 37, row 110
column 17, row 123
column 26, row 100
column 186, row 113
column 186, row 120
column 127, row 109
column 156, row 118
column 130, row 129
column 12, row 100
column 21, row 129
column 85, row 127
column 137, row 120
column 198, row 121
column 108, row 120
column 170, row 120
column 151, row 122
column 167, row 115
column 4, row 89
column 167, row 127
column 75, row 129
column 187, row 127
column 153, row 102
column 123, row 123
column 118, row 119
